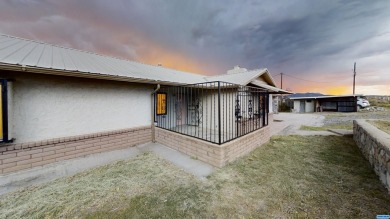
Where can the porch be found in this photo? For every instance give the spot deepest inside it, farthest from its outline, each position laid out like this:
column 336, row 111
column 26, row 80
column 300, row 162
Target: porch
column 209, row 120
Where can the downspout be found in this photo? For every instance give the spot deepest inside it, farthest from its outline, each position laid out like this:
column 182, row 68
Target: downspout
column 152, row 115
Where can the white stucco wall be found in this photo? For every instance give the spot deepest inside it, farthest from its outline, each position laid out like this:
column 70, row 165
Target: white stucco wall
column 309, row 106
column 47, row 107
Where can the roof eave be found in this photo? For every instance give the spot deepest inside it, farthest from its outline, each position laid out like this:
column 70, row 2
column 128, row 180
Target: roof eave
column 79, row 74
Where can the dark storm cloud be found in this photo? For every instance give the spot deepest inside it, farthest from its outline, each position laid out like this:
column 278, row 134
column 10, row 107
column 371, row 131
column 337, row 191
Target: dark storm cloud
column 310, row 39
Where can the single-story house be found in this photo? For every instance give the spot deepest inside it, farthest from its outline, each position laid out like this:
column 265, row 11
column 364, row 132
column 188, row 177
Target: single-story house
column 340, row 103
column 59, row 103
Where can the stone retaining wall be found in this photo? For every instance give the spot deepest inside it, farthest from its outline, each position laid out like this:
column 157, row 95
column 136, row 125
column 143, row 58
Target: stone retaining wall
column 214, row 154
column 14, row 157
column 375, row 146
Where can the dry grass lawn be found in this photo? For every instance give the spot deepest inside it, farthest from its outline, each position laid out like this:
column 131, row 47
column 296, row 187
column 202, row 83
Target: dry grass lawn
column 383, row 125
column 290, row 177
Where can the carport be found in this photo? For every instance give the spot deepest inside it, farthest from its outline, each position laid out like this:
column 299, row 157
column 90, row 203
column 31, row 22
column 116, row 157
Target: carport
column 344, row 103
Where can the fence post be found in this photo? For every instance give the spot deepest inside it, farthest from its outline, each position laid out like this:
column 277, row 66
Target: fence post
column 219, row 112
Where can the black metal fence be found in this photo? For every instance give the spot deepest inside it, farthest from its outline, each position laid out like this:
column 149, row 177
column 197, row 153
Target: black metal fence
column 217, row 112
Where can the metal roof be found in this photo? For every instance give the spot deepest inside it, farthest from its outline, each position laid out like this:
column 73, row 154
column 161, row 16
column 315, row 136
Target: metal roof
column 272, row 89
column 324, row 97
column 20, row 54
column 28, row 53
column 242, row 78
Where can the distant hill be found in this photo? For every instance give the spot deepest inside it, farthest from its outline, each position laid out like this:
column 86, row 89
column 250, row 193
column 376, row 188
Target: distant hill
column 304, row 95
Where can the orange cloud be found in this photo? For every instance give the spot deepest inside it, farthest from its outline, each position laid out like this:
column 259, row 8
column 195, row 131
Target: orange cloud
column 170, row 59
column 324, row 89
column 338, row 90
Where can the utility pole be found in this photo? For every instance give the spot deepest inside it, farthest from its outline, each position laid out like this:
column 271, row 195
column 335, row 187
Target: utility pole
column 281, row 80
column 354, row 76
column 280, row 99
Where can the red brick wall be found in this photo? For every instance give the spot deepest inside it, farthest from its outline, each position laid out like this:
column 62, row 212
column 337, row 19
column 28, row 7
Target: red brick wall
column 214, row 154
column 14, row 157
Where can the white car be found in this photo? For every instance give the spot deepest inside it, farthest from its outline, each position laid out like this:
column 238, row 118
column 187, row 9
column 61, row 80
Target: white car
column 362, row 103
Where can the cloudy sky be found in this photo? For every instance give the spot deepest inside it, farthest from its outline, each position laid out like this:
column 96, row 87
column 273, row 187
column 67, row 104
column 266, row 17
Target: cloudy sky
column 314, row 43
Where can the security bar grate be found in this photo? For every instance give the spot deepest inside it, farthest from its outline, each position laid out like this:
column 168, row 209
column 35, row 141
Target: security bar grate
column 217, row 112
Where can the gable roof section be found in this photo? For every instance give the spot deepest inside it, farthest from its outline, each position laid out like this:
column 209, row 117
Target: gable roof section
column 243, row 78
column 19, row 54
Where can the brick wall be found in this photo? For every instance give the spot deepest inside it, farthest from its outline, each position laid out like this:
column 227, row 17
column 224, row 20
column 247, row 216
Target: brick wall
column 375, row 146
column 214, row 154
column 14, row 157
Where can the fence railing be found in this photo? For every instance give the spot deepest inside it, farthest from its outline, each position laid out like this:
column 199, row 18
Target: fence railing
column 217, row 112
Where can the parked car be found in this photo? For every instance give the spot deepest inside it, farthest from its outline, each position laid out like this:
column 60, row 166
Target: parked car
column 362, row 103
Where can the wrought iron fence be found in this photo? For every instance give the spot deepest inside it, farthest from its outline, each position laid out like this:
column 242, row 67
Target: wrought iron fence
column 217, row 112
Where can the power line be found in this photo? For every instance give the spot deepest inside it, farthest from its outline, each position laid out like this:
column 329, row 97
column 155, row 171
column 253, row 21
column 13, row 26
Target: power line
column 311, row 80
column 342, row 77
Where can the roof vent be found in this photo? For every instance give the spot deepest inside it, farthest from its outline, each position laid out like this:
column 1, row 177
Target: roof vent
column 236, row 69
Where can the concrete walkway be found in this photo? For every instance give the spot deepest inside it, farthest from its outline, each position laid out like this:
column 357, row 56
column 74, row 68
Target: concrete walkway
column 39, row 175
column 290, row 123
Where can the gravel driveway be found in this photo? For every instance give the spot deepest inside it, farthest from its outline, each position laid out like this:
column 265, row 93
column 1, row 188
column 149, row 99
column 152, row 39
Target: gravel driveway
column 290, row 123
column 338, row 118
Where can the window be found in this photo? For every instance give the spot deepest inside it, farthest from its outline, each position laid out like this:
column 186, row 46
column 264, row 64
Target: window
column 161, row 107
column 4, row 137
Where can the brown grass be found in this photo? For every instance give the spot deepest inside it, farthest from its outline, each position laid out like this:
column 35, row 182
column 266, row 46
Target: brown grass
column 383, row 125
column 290, row 177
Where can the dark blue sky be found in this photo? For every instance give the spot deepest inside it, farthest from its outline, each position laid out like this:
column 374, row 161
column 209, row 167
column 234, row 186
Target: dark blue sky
column 317, row 41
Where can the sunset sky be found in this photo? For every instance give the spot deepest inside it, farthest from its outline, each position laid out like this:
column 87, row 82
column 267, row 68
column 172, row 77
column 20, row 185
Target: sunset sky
column 314, row 43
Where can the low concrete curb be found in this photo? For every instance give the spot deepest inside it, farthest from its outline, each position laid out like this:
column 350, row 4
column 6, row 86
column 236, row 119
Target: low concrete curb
column 343, row 132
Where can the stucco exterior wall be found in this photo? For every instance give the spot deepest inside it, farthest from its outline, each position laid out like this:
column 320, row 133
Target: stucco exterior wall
column 46, row 107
